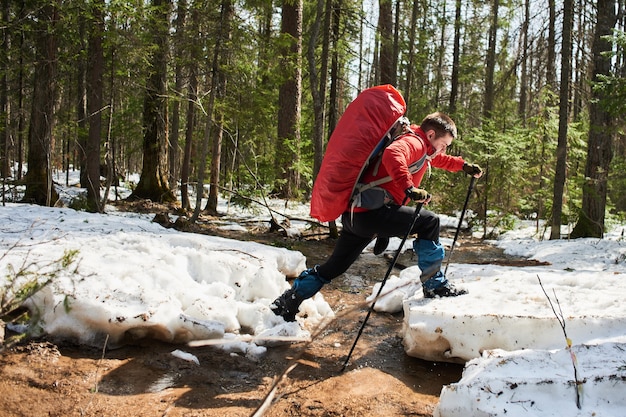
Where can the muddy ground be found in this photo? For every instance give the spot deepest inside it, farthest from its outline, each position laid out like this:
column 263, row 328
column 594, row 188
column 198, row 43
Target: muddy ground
column 42, row 378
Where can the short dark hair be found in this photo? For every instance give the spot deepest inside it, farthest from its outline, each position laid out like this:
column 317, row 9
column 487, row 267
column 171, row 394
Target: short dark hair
column 441, row 123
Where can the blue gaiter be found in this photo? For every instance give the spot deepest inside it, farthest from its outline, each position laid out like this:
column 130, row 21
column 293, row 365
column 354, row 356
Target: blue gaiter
column 430, row 255
column 309, row 283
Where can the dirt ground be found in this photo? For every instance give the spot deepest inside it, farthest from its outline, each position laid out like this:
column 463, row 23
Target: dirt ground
column 42, row 378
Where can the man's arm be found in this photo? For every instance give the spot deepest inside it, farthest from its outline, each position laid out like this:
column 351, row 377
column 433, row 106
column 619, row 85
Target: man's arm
column 448, row 162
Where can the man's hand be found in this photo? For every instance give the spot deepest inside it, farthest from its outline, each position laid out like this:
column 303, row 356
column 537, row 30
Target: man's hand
column 418, row 195
column 473, row 170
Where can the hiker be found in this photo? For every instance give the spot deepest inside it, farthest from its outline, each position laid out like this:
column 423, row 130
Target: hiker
column 427, row 142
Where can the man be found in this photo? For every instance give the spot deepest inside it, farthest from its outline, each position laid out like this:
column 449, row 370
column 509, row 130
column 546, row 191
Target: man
column 418, row 148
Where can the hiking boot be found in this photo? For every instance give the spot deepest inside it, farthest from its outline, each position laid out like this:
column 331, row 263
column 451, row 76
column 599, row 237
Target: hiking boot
column 447, row 290
column 380, row 245
column 287, row 305
column 305, row 286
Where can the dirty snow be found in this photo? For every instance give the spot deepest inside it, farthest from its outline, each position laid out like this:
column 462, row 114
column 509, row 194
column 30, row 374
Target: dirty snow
column 133, row 278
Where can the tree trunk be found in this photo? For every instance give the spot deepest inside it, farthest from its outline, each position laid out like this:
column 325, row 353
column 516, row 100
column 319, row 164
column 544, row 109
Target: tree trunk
column 396, row 43
column 385, row 29
column 550, row 87
column 95, row 73
column 561, row 150
column 191, row 117
column 489, row 98
column 410, row 70
column 216, row 154
column 217, row 50
column 362, row 53
column 600, row 140
column 491, row 61
column 551, row 61
column 173, row 153
column 333, row 111
column 5, row 110
column 192, row 100
column 39, row 189
column 523, row 94
column 20, row 100
column 456, row 55
column 318, row 80
column 441, row 52
column 82, row 131
column 153, row 183
column 289, row 102
column 581, row 61
column 110, row 142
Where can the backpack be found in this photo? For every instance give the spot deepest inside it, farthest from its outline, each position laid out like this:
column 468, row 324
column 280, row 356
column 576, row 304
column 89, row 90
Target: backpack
column 372, row 121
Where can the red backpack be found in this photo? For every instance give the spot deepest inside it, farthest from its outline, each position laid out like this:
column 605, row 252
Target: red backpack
column 370, row 123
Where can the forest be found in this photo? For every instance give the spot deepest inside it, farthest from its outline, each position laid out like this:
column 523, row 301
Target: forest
column 205, row 98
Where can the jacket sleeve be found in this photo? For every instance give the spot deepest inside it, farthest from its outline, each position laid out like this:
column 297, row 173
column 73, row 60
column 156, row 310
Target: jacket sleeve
column 448, row 162
column 399, row 155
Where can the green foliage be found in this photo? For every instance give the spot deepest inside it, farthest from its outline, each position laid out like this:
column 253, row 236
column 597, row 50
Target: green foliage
column 613, row 87
column 23, row 281
column 518, row 161
column 499, row 223
column 617, row 185
column 80, row 203
column 245, row 196
column 518, row 150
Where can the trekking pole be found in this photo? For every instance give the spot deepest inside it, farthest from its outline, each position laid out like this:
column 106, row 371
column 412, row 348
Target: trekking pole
column 458, row 228
column 382, row 284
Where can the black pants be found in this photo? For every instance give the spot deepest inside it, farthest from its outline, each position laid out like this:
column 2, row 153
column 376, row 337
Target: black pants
column 360, row 228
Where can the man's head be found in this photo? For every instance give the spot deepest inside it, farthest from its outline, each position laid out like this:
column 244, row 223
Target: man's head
column 440, row 130
column 441, row 123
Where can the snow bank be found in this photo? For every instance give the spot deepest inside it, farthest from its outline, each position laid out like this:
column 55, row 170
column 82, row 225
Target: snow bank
column 134, row 279
column 507, row 332
column 540, row 383
column 506, row 308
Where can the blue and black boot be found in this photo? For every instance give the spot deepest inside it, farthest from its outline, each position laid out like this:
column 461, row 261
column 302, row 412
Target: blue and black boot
column 305, row 286
column 439, row 286
column 430, row 255
column 287, row 305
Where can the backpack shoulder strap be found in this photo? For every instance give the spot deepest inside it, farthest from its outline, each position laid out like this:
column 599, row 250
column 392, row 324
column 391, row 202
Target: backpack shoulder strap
column 413, row 168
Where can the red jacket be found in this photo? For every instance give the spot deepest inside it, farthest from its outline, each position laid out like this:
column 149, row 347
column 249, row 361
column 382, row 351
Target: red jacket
column 403, row 152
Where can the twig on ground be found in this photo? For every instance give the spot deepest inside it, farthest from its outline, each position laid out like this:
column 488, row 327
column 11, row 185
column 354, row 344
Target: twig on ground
column 271, row 210
column 104, row 348
column 83, row 410
column 561, row 319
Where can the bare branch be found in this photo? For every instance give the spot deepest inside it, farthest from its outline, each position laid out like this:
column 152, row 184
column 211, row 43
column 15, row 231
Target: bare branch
column 561, row 319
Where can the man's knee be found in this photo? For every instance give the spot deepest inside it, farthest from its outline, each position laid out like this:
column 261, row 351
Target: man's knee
column 430, row 225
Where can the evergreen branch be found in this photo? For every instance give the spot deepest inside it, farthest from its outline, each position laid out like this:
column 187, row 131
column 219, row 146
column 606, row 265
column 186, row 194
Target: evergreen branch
column 254, row 176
